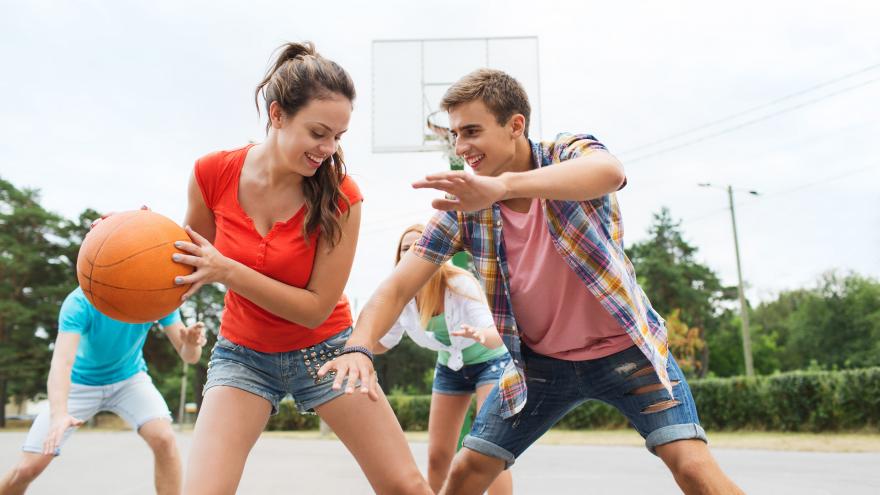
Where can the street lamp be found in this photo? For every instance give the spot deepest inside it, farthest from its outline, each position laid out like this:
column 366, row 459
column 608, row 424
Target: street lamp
column 744, row 313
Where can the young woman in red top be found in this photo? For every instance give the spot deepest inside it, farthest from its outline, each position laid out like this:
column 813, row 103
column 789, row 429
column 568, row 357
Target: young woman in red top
column 277, row 224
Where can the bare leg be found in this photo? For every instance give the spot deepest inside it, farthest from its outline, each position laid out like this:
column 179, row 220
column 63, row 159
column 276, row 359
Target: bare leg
column 503, row 484
column 471, row 473
column 694, row 468
column 168, row 472
column 372, row 434
column 226, row 430
column 16, row 481
column 444, row 425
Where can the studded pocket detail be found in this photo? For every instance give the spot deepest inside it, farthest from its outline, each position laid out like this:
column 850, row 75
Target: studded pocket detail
column 316, row 356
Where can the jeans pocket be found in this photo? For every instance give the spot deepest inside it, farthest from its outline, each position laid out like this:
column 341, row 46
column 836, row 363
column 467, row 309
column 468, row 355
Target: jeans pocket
column 314, row 357
column 227, row 344
column 337, row 341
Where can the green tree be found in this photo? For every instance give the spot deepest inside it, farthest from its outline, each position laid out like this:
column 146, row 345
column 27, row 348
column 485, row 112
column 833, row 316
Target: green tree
column 685, row 343
column 404, row 368
column 73, row 232
column 206, row 306
column 776, row 318
column 165, row 364
column 36, row 272
column 727, row 353
column 836, row 324
column 674, row 280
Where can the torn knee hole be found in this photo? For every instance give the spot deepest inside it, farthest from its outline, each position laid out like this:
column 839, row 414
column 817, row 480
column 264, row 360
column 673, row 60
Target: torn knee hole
column 642, row 372
column 661, row 406
column 650, row 388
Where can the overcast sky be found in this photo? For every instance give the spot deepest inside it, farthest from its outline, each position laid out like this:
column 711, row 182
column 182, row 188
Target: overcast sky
column 107, row 105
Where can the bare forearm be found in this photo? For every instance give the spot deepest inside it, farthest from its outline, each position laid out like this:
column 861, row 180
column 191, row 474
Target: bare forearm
column 300, row 306
column 580, row 179
column 377, row 317
column 493, row 339
column 190, row 354
column 58, row 386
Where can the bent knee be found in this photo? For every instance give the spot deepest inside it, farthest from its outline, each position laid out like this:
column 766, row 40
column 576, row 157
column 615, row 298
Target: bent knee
column 440, row 459
column 27, row 470
column 405, row 483
column 162, row 443
column 471, row 462
column 694, row 468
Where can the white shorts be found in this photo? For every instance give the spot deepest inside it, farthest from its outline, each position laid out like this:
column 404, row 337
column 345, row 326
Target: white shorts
column 134, row 399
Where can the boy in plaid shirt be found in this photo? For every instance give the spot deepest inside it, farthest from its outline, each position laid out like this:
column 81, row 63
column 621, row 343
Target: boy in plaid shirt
column 543, row 225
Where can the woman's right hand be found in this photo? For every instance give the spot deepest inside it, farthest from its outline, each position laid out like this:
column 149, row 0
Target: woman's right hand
column 210, row 265
column 353, row 366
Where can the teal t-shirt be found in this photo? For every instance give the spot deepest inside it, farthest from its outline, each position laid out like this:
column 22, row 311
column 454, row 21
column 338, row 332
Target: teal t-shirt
column 474, row 354
column 109, row 350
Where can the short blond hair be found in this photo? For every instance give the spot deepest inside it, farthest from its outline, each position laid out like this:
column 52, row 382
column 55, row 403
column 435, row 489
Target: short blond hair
column 503, row 95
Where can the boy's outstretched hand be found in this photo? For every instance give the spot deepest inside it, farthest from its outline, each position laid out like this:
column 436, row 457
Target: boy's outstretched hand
column 464, row 191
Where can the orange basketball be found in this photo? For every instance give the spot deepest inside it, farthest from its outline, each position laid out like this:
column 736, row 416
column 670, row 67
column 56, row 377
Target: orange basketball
column 125, row 269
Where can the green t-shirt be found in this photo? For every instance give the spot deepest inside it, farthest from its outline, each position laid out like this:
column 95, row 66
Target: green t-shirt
column 474, row 354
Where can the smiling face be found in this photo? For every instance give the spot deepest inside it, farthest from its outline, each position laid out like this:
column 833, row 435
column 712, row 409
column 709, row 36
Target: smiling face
column 485, row 145
column 308, row 139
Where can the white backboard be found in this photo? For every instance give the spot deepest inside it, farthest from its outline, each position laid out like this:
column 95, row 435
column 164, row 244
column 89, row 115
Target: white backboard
column 411, row 76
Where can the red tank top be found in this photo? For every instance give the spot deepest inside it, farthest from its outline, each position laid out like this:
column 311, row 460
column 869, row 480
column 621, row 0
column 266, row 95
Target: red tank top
column 282, row 255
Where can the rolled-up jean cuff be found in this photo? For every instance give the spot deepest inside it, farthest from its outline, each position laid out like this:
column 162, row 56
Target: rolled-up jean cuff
column 672, row 433
column 488, row 448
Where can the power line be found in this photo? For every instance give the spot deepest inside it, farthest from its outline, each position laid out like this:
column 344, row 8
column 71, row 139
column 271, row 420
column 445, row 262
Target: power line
column 785, row 192
column 756, row 120
column 753, row 109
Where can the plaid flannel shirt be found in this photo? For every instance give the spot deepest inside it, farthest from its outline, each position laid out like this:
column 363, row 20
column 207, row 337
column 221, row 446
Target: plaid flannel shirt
column 587, row 234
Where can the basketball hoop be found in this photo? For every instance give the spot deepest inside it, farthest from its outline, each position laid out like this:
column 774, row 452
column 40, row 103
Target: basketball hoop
column 445, row 139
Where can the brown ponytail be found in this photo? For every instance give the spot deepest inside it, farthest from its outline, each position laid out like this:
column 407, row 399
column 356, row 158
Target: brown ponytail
column 299, row 75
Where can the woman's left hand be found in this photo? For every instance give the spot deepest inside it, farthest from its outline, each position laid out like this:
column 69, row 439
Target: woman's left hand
column 211, row 266
column 488, row 336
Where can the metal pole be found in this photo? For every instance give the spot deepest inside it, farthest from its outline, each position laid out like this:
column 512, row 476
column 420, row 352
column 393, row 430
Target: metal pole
column 181, row 411
column 744, row 311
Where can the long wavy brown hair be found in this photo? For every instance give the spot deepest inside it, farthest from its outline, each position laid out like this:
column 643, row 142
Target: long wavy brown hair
column 298, row 75
column 430, row 296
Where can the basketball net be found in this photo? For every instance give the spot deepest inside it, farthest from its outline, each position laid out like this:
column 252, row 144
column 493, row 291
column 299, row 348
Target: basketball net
column 445, row 138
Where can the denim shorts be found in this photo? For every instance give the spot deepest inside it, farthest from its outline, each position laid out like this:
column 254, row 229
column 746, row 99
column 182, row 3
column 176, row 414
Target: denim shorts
column 555, row 387
column 135, row 399
column 471, row 376
column 273, row 375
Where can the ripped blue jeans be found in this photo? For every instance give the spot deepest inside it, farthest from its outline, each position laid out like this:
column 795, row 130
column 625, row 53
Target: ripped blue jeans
column 625, row 380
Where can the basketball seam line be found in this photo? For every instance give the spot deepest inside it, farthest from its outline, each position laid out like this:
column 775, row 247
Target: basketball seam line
column 134, row 289
column 115, row 308
column 134, row 254
column 98, row 251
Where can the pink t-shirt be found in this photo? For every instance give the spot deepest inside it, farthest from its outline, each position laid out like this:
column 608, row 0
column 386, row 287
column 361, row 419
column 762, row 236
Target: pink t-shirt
column 556, row 314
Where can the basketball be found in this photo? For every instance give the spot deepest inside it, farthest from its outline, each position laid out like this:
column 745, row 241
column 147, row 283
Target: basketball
column 125, row 269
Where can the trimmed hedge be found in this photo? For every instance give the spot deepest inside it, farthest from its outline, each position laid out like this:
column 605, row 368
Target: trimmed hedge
column 811, row 401
column 288, row 418
column 412, row 410
column 795, row 401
